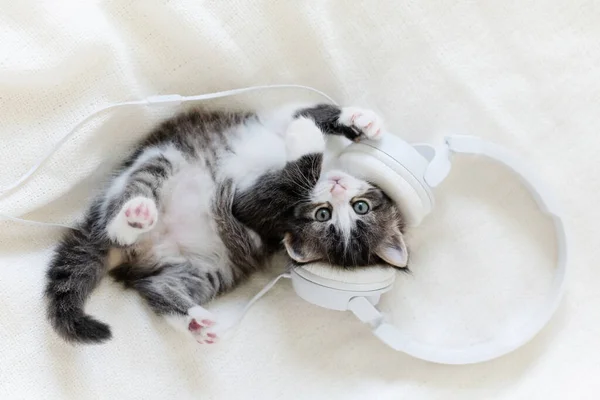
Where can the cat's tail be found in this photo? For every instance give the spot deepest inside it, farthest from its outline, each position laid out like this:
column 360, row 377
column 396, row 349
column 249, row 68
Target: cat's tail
column 78, row 265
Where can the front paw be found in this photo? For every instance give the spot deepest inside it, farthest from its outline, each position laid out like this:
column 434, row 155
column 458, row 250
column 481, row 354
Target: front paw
column 303, row 137
column 366, row 122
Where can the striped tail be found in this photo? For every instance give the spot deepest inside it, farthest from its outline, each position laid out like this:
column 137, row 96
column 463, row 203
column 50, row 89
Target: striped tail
column 78, row 265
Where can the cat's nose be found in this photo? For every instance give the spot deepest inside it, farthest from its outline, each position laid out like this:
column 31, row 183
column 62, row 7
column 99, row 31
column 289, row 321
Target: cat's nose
column 337, row 189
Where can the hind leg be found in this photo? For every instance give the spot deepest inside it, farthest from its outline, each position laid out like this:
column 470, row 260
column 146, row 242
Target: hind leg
column 177, row 292
column 132, row 201
column 137, row 216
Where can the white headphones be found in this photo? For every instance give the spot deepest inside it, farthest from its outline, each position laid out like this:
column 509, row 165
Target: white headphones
column 407, row 174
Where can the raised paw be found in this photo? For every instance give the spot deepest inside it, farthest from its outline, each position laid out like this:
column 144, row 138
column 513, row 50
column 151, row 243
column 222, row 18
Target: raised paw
column 203, row 325
column 140, row 213
column 303, row 137
column 367, row 122
column 137, row 216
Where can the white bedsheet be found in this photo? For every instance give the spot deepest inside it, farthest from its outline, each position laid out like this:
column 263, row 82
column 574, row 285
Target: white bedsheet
column 523, row 74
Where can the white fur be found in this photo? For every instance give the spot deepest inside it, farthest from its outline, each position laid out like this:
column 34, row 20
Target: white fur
column 207, row 327
column 255, row 149
column 343, row 215
column 186, row 230
column 303, row 137
column 277, row 120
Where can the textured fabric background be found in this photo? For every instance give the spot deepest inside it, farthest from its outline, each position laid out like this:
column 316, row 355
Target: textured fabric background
column 523, row 74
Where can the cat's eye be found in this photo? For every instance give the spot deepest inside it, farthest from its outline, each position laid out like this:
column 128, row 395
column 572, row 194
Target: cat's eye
column 323, row 214
column 361, row 207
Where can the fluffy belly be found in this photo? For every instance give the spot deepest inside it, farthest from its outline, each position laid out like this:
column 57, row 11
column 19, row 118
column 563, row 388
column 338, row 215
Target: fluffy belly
column 186, row 229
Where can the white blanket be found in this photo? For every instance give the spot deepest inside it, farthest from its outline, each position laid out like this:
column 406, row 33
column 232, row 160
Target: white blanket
column 523, row 74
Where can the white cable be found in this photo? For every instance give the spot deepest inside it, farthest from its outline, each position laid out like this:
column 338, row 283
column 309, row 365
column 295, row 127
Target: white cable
column 260, row 294
column 257, row 297
column 58, row 145
column 233, row 92
column 151, row 100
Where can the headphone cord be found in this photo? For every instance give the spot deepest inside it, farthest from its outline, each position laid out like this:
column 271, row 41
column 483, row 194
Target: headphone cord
column 257, row 297
column 173, row 99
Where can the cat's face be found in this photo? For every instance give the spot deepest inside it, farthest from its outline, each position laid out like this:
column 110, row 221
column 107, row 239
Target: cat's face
column 347, row 222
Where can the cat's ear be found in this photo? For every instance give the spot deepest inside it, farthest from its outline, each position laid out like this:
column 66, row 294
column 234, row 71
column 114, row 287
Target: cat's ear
column 299, row 250
column 393, row 250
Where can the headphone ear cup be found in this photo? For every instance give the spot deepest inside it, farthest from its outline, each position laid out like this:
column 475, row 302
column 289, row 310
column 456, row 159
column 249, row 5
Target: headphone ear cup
column 375, row 166
column 367, row 278
column 334, row 288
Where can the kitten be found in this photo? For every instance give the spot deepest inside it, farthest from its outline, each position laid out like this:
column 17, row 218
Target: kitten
column 204, row 201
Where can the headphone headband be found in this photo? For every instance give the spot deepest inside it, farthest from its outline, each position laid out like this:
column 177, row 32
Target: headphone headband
column 438, row 167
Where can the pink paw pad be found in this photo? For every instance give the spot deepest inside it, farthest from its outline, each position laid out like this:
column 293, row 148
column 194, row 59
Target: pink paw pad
column 140, row 212
column 194, row 325
column 201, row 331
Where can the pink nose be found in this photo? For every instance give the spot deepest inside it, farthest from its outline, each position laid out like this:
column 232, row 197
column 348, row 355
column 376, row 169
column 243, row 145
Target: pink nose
column 337, row 189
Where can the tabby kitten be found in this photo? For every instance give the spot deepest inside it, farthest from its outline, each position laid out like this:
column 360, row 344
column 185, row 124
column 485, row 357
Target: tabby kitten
column 206, row 198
